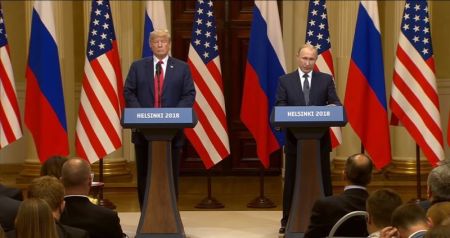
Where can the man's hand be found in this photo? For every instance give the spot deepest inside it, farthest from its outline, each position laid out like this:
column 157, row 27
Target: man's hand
column 389, row 232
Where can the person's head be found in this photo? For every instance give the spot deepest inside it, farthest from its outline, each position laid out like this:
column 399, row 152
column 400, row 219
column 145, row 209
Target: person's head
column 380, row 205
column 409, row 218
column 76, row 176
column 34, row 220
column 49, row 189
column 160, row 42
column 438, row 186
column 53, row 165
column 358, row 169
column 438, row 213
column 306, row 58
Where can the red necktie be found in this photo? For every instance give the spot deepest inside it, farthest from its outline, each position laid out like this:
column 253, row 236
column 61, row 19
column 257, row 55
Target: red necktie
column 158, row 82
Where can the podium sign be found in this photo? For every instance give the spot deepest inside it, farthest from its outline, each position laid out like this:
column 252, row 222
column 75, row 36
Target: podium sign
column 308, row 116
column 159, row 215
column 308, row 124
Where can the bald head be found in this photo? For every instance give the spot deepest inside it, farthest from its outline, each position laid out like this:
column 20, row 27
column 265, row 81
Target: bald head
column 76, row 172
column 358, row 169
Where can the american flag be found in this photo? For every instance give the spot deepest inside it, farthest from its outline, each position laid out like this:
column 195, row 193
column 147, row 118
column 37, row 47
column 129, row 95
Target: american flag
column 98, row 131
column 209, row 137
column 10, row 127
column 414, row 100
column 317, row 35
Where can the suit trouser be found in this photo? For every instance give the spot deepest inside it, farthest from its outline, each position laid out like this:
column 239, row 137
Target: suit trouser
column 289, row 179
column 142, row 160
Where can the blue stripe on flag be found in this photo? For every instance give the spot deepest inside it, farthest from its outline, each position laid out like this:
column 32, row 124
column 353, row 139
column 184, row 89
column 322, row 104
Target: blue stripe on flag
column 44, row 62
column 367, row 54
column 148, row 27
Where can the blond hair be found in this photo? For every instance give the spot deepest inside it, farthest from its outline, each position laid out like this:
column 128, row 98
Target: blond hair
column 35, row 220
column 160, row 33
column 49, row 189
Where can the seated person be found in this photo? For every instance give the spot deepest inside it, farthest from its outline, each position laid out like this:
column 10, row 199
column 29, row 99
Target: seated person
column 438, row 232
column 8, row 212
column 34, row 220
column 380, row 205
column 328, row 210
column 51, row 190
column 438, row 213
column 13, row 193
column 53, row 166
column 79, row 212
column 408, row 221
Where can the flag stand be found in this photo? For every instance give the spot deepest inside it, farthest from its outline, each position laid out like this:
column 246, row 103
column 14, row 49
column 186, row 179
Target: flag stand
column 209, row 202
column 418, row 176
column 261, row 201
column 101, row 201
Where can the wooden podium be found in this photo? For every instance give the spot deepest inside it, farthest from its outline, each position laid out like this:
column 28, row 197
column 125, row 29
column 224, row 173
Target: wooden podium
column 159, row 216
column 308, row 124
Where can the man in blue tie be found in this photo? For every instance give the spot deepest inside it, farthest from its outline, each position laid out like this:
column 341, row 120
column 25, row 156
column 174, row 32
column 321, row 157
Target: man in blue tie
column 158, row 81
column 304, row 87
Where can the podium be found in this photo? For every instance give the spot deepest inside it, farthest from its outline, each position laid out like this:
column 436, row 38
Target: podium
column 159, row 216
column 308, row 124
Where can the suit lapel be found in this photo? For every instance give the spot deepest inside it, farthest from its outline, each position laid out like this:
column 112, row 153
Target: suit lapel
column 149, row 72
column 168, row 74
column 297, row 85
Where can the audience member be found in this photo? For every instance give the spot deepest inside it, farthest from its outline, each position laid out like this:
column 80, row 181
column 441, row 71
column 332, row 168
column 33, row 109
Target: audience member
column 438, row 186
column 51, row 190
column 13, row 193
column 438, row 213
column 79, row 212
column 35, row 220
column 438, row 232
column 408, row 221
column 8, row 212
column 328, row 210
column 380, row 205
column 53, row 166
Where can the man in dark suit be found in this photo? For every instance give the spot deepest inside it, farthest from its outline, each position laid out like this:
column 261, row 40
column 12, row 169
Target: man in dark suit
column 328, row 210
column 409, row 221
column 303, row 87
column 51, row 190
column 79, row 212
column 438, row 187
column 8, row 212
column 158, row 81
column 13, row 193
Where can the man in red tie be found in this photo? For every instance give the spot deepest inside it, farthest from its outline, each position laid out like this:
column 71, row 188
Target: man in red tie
column 158, row 81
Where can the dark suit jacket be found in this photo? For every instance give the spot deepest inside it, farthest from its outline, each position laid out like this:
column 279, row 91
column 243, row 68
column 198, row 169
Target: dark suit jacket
column 178, row 87
column 8, row 212
column 100, row 222
column 65, row 231
column 13, row 193
column 322, row 92
column 328, row 210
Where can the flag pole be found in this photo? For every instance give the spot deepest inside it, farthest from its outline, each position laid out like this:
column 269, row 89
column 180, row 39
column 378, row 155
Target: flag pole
column 103, row 201
column 209, row 202
column 418, row 176
column 261, row 201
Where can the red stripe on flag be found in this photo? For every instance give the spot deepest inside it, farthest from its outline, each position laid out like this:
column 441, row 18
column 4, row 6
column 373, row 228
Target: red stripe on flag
column 101, row 114
column 216, row 74
column 80, row 149
column 418, row 76
column 367, row 117
column 114, row 59
column 256, row 118
column 415, row 133
column 209, row 96
column 9, row 90
column 90, row 132
column 218, row 145
column 106, row 84
column 7, row 130
column 198, row 145
column 418, row 105
column 328, row 60
column 50, row 138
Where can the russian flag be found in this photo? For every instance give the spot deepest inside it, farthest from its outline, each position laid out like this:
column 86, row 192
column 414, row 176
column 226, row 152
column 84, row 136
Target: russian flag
column 45, row 114
column 265, row 63
column 155, row 18
column 365, row 96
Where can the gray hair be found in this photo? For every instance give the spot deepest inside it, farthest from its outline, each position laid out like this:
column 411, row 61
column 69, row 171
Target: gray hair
column 439, row 183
